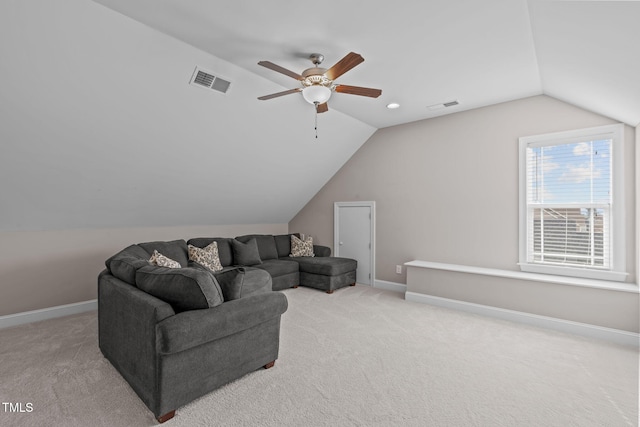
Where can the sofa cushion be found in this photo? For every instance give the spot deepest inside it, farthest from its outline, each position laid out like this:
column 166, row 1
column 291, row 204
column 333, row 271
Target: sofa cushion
column 279, row 267
column 194, row 328
column 243, row 282
column 283, row 244
column 184, row 288
column 266, row 245
column 245, row 253
column 175, row 249
column 207, row 257
column 331, row 266
column 125, row 263
column 301, row 247
column 162, row 261
column 225, row 252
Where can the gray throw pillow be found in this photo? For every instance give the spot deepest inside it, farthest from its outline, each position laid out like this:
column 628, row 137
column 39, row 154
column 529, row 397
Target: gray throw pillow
column 183, row 288
column 231, row 282
column 240, row 282
column 246, row 253
column 266, row 245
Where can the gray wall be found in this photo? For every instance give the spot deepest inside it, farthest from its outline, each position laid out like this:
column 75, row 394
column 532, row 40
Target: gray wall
column 446, row 189
column 601, row 307
column 41, row 269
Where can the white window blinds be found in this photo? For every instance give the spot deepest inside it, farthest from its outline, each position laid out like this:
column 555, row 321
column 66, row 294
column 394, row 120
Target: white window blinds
column 571, row 203
column 568, row 203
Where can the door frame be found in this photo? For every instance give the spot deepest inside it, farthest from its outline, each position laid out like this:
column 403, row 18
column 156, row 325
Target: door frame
column 372, row 232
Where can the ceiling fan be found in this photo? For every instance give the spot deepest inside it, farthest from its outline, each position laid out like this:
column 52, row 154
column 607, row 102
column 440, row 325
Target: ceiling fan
column 317, row 84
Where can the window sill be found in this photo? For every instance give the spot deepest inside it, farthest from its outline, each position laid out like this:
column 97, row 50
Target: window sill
column 579, row 274
column 522, row 275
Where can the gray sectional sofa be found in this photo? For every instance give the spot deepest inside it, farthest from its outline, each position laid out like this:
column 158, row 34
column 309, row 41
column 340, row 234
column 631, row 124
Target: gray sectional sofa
column 320, row 271
column 175, row 334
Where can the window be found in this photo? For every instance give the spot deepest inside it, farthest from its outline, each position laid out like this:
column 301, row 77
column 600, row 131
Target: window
column 571, row 203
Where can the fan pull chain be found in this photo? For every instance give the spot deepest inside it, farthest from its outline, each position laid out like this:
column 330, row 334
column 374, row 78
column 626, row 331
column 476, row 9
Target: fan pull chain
column 316, row 124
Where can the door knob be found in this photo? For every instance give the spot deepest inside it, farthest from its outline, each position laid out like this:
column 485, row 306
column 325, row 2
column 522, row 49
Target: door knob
column 340, row 243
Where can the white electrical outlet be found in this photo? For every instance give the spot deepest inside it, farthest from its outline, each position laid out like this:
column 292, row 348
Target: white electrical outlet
column 398, row 269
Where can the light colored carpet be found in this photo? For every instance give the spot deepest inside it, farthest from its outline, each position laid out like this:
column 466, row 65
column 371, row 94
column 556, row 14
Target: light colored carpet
column 359, row 357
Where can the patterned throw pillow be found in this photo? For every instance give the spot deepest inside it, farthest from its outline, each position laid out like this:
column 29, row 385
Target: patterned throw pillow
column 162, row 261
column 207, row 257
column 301, row 247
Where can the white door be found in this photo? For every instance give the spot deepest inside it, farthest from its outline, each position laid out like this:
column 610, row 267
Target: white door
column 354, row 236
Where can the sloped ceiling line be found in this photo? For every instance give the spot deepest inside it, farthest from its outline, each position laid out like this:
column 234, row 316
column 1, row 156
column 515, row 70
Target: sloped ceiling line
column 424, row 53
column 157, row 152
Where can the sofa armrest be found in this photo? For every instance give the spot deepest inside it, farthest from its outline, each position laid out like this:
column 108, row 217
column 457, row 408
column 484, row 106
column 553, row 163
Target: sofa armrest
column 321, row 251
column 127, row 319
column 117, row 295
column 192, row 328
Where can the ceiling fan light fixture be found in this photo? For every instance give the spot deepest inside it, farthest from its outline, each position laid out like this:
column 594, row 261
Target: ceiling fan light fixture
column 316, row 94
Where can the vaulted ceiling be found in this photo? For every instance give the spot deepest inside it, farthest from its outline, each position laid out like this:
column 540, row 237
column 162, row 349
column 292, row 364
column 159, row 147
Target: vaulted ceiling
column 100, row 127
column 424, row 53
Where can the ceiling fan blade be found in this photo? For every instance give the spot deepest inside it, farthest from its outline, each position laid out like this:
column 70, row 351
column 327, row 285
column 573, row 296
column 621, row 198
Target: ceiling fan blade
column 356, row 90
column 322, row 108
column 275, row 95
column 345, row 64
column 279, row 69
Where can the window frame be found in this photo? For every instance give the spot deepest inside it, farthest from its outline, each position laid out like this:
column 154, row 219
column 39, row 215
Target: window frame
column 617, row 243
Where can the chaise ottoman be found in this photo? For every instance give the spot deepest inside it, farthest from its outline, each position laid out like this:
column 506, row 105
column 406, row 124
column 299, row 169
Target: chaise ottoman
column 327, row 273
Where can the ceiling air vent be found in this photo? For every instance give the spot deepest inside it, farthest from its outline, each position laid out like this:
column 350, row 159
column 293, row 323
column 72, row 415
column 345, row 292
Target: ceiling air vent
column 443, row 105
column 208, row 80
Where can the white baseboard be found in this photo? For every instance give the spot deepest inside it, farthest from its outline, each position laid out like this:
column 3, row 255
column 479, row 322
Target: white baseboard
column 47, row 313
column 591, row 331
column 390, row 286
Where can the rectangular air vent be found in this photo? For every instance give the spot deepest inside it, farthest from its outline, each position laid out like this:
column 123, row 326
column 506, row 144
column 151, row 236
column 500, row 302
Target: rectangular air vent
column 443, row 105
column 208, row 80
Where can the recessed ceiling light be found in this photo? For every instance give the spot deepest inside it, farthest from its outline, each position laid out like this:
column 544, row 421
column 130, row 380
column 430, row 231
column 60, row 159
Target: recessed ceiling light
column 393, row 106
